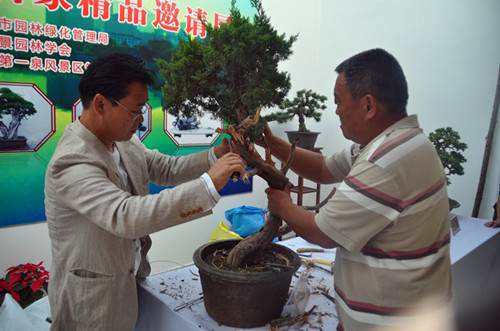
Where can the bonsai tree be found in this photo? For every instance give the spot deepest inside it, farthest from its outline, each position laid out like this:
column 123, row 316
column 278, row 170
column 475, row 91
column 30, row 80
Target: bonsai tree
column 449, row 147
column 233, row 74
column 305, row 105
column 18, row 108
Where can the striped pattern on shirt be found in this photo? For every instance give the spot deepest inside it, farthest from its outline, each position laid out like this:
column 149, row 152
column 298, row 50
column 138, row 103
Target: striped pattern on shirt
column 390, row 219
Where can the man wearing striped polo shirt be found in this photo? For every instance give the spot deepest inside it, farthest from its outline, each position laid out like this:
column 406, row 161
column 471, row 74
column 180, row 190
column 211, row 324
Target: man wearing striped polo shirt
column 389, row 216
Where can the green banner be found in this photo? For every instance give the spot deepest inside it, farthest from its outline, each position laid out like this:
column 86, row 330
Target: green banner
column 45, row 45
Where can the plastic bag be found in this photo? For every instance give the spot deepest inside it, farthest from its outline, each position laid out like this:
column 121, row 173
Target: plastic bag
column 246, row 220
column 222, row 232
column 297, row 302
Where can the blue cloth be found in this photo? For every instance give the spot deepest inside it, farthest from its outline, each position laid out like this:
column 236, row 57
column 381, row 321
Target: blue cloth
column 246, row 220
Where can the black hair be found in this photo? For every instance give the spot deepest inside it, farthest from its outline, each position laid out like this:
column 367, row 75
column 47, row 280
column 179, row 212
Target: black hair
column 378, row 73
column 111, row 76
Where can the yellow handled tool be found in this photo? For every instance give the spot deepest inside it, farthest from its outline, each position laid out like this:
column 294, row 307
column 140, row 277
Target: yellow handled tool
column 319, row 261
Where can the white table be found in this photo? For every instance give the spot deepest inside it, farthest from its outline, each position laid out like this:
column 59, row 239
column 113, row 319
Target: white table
column 473, row 250
column 160, row 294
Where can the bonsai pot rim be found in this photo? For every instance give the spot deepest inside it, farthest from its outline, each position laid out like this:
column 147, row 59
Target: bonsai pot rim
column 303, row 139
column 244, row 299
column 245, row 277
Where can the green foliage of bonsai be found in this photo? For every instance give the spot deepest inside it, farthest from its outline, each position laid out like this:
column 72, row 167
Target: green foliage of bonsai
column 232, row 73
column 305, row 105
column 449, row 147
column 18, row 108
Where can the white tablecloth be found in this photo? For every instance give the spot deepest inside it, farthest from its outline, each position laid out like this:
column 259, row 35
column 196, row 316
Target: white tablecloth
column 475, row 255
column 160, row 294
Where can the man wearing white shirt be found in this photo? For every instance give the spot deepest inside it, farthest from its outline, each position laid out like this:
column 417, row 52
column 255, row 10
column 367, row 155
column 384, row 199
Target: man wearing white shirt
column 99, row 210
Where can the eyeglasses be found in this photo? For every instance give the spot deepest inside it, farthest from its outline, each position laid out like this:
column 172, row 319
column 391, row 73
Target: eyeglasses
column 135, row 113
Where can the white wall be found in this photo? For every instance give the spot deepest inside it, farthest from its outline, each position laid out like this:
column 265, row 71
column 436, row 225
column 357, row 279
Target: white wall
column 24, row 243
column 448, row 49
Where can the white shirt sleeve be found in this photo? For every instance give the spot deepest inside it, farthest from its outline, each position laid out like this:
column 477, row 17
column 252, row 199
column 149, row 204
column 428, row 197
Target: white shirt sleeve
column 210, row 186
column 211, row 156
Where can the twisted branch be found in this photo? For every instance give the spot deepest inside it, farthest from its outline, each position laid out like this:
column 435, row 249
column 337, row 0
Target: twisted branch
column 275, row 179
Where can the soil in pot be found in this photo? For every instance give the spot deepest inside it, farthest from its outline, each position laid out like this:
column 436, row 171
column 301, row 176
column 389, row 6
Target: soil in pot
column 251, row 296
column 267, row 260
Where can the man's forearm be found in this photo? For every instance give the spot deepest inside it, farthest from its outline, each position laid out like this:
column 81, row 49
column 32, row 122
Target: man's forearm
column 308, row 164
column 303, row 224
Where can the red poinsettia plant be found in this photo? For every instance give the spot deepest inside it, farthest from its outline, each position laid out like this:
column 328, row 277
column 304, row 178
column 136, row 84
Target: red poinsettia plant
column 26, row 283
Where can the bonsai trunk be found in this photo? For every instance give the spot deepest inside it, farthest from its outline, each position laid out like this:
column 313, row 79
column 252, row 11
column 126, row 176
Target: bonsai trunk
column 253, row 243
column 276, row 179
column 302, row 123
column 4, row 130
column 14, row 126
